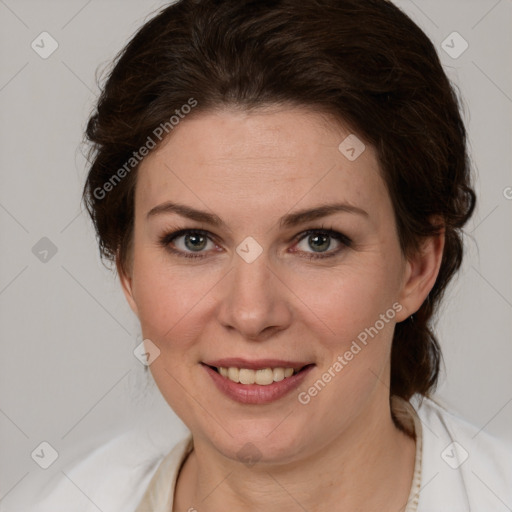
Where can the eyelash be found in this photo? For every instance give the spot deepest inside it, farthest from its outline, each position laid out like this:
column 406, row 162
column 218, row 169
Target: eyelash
column 166, row 239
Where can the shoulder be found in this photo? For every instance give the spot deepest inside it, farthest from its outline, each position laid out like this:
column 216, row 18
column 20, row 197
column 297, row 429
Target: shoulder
column 463, row 466
column 112, row 478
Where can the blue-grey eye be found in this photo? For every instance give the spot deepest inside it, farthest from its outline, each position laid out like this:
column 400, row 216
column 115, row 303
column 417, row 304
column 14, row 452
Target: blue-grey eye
column 194, row 242
column 318, row 242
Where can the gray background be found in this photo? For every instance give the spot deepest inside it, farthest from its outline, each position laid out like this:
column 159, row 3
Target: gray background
column 67, row 372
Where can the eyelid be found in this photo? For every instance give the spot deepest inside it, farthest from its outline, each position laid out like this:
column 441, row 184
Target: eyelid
column 327, row 231
column 168, row 237
column 344, row 241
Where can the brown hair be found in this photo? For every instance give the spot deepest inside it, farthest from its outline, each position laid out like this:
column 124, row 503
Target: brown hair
column 363, row 61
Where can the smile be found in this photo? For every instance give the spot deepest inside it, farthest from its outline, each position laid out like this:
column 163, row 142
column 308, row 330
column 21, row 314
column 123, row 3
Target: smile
column 257, row 385
column 262, row 377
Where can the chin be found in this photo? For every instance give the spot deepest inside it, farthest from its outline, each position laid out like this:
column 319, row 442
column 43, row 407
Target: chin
column 263, row 443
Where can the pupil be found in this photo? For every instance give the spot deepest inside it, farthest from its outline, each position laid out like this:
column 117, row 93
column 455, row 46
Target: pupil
column 316, row 238
column 194, row 239
column 197, row 242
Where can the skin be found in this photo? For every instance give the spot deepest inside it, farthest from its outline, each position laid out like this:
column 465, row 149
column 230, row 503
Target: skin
column 250, row 169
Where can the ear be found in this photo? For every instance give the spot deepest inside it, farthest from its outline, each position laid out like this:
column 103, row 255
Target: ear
column 421, row 271
column 126, row 284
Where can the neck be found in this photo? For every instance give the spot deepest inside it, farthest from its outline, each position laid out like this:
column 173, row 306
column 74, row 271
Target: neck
column 369, row 467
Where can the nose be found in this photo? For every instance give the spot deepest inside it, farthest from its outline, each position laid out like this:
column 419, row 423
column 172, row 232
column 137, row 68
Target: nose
column 255, row 301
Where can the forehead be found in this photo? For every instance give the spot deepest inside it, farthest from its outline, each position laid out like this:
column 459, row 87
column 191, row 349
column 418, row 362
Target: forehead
column 260, row 161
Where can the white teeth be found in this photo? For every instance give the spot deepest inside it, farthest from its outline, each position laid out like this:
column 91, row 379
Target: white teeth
column 233, row 374
column 278, row 374
column 263, row 377
column 247, row 376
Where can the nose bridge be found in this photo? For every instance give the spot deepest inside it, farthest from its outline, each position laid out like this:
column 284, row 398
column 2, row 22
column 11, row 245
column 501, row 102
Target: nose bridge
column 254, row 300
column 249, row 278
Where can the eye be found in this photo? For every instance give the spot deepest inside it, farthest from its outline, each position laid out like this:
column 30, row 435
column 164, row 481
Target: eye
column 320, row 241
column 194, row 243
column 186, row 242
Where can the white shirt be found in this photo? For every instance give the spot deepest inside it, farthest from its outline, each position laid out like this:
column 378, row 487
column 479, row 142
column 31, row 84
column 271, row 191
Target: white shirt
column 459, row 468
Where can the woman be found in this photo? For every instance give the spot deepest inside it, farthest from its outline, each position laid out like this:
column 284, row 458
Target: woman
column 282, row 187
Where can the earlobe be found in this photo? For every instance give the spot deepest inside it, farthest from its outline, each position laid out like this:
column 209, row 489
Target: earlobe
column 421, row 274
column 126, row 285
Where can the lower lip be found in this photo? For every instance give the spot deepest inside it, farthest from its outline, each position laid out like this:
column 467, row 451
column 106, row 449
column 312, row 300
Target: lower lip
column 255, row 393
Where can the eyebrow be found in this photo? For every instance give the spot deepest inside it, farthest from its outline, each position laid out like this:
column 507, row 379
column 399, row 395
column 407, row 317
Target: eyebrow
column 287, row 221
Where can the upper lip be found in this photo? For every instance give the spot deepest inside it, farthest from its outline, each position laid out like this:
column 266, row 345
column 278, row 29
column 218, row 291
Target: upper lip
column 255, row 364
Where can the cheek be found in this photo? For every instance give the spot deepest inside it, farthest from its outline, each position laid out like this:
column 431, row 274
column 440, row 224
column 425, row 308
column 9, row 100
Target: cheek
column 171, row 301
column 354, row 314
column 346, row 301
column 171, row 305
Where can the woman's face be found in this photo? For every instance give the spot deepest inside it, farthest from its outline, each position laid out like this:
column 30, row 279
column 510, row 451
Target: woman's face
column 260, row 287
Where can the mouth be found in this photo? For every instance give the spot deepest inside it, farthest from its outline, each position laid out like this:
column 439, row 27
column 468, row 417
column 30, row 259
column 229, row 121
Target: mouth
column 265, row 382
column 260, row 376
